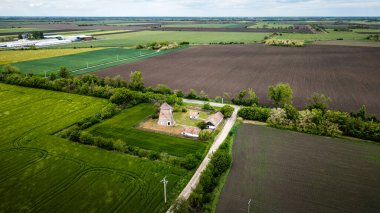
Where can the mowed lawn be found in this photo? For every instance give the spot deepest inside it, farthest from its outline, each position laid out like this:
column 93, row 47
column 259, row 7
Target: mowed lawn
column 143, row 37
column 285, row 171
column 80, row 60
column 123, row 126
column 13, row 56
column 41, row 172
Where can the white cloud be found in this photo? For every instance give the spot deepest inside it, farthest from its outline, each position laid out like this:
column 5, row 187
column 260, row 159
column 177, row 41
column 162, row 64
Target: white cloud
column 190, row 7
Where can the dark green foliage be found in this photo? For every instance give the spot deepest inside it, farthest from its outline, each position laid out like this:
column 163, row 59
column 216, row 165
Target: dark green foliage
column 246, row 98
column 254, row 113
column 180, row 206
column 8, row 69
column 154, row 155
column 36, row 35
column 207, row 106
column 202, row 125
column 374, row 37
column 192, row 94
column 281, row 94
column 291, row 112
column 220, row 162
column 227, row 111
column 184, row 43
column 52, row 76
column 136, row 81
column 204, row 135
column 318, row 101
column 64, row 73
column 189, row 162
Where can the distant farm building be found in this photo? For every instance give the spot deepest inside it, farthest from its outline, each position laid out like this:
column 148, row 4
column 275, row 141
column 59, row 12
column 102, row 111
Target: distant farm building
column 194, row 115
column 191, row 132
column 214, row 120
column 166, row 115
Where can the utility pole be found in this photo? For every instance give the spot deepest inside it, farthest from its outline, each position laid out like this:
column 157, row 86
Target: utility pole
column 164, row 181
column 222, row 100
column 45, row 74
column 249, row 204
column 117, row 58
column 87, row 65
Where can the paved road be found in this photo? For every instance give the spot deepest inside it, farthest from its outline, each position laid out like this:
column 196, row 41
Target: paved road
column 217, row 142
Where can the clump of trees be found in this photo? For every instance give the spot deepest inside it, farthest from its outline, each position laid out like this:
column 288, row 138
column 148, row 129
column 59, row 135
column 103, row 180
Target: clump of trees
column 227, row 110
column 374, row 37
column 315, row 119
column 285, row 42
column 281, row 94
column 163, row 45
column 246, row 98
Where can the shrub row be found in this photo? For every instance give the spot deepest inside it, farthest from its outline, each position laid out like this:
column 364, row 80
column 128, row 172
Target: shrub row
column 201, row 198
column 316, row 121
column 285, row 42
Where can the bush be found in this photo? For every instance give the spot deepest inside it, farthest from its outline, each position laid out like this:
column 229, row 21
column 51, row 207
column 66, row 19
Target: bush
column 281, row 94
column 86, row 138
column 221, row 161
column 254, row 113
column 192, row 94
column 189, row 162
column 154, row 155
column 242, row 99
column 278, row 118
column 227, row 111
column 207, row 106
column 285, row 42
column 202, row 125
column 318, row 101
column 64, row 73
column 204, row 135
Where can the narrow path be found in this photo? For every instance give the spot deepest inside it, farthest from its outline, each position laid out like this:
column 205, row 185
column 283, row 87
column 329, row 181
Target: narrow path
column 215, row 146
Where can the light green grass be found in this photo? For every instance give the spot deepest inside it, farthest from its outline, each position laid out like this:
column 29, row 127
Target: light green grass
column 78, row 61
column 132, row 39
column 184, row 117
column 331, row 35
column 123, row 126
column 41, row 172
column 15, row 30
column 270, row 25
column 367, row 30
column 231, row 25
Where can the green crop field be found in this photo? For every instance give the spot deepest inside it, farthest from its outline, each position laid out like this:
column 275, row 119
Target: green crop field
column 41, row 172
column 270, row 25
column 132, row 39
column 331, row 35
column 11, row 30
column 93, row 58
column 231, row 25
column 122, row 126
column 367, row 30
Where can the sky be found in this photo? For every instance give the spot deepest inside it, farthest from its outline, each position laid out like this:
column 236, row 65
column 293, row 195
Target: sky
column 205, row 8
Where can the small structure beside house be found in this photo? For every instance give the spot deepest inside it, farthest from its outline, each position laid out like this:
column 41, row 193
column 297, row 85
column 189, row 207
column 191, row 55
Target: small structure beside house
column 191, row 132
column 214, row 120
column 166, row 115
column 194, row 115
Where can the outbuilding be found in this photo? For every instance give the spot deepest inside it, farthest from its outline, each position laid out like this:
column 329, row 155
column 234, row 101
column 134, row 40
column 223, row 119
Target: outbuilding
column 191, row 132
column 214, row 120
column 166, row 115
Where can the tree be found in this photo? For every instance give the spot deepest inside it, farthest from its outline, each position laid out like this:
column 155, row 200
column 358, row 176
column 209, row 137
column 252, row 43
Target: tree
column 221, row 161
column 64, row 73
column 52, row 76
column 192, row 94
column 180, row 206
column 8, row 69
column 204, row 135
column 202, row 125
column 318, row 101
column 227, row 111
column 207, row 106
column 136, row 81
column 281, row 94
column 20, row 36
column 164, row 89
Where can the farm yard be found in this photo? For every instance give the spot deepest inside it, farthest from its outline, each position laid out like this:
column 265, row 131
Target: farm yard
column 349, row 75
column 41, row 172
column 285, row 171
column 122, row 127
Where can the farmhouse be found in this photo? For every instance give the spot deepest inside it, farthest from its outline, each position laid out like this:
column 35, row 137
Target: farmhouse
column 166, row 115
column 214, row 120
column 194, row 115
column 191, row 132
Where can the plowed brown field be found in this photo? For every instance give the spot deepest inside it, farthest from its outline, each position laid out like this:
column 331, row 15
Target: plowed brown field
column 349, row 75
